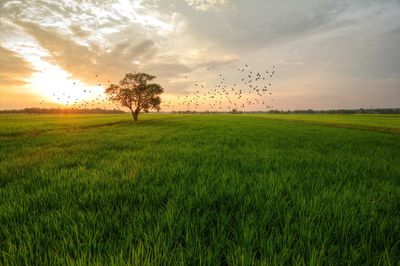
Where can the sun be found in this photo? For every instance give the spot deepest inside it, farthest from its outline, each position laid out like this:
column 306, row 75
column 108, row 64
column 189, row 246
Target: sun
column 55, row 85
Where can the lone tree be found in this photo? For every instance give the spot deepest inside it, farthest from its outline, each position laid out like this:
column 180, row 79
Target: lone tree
column 135, row 93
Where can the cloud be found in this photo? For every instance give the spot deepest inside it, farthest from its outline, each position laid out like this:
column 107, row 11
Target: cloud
column 145, row 49
column 205, row 5
column 78, row 31
column 13, row 69
column 85, row 62
column 74, row 58
column 250, row 25
column 329, row 44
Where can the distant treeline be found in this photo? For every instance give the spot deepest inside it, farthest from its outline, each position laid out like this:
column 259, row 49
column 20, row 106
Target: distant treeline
column 309, row 111
column 341, row 111
column 61, row 111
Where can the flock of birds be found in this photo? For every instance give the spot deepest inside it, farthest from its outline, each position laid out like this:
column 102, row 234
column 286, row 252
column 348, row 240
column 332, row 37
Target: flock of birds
column 248, row 90
column 251, row 91
column 89, row 97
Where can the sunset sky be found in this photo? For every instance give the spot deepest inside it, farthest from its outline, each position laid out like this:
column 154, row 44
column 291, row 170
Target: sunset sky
column 328, row 54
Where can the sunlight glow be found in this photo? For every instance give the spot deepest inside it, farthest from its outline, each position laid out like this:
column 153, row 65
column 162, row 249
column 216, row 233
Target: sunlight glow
column 55, row 85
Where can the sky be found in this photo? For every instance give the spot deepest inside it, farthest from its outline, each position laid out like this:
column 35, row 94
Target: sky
column 327, row 54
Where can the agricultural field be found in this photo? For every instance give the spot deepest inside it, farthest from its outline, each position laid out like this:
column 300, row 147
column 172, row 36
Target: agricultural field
column 200, row 189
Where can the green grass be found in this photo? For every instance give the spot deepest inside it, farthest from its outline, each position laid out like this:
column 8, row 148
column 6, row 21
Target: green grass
column 199, row 189
column 378, row 122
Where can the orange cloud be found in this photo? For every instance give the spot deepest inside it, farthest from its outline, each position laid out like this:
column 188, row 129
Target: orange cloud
column 13, row 69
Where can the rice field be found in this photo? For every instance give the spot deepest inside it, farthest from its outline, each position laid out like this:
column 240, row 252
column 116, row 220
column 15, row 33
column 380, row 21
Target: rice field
column 217, row 189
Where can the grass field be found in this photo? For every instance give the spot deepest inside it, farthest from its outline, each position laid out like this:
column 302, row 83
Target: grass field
column 200, row 189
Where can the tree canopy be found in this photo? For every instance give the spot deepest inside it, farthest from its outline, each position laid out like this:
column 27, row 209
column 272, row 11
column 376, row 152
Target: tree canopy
column 136, row 93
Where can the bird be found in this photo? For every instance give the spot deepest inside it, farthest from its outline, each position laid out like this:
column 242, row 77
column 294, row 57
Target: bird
column 252, row 90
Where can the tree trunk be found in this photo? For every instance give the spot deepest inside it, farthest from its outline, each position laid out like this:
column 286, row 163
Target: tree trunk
column 135, row 116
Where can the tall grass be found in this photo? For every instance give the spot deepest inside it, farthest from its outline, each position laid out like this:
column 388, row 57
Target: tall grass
column 208, row 190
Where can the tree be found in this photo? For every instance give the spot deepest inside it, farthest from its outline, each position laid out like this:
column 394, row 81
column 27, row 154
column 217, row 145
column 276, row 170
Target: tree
column 135, row 93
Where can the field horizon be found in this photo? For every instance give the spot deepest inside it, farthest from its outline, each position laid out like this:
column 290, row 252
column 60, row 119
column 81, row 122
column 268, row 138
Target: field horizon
column 263, row 189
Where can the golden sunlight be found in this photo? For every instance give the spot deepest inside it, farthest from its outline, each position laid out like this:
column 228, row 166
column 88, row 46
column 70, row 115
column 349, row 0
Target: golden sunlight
column 55, row 85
